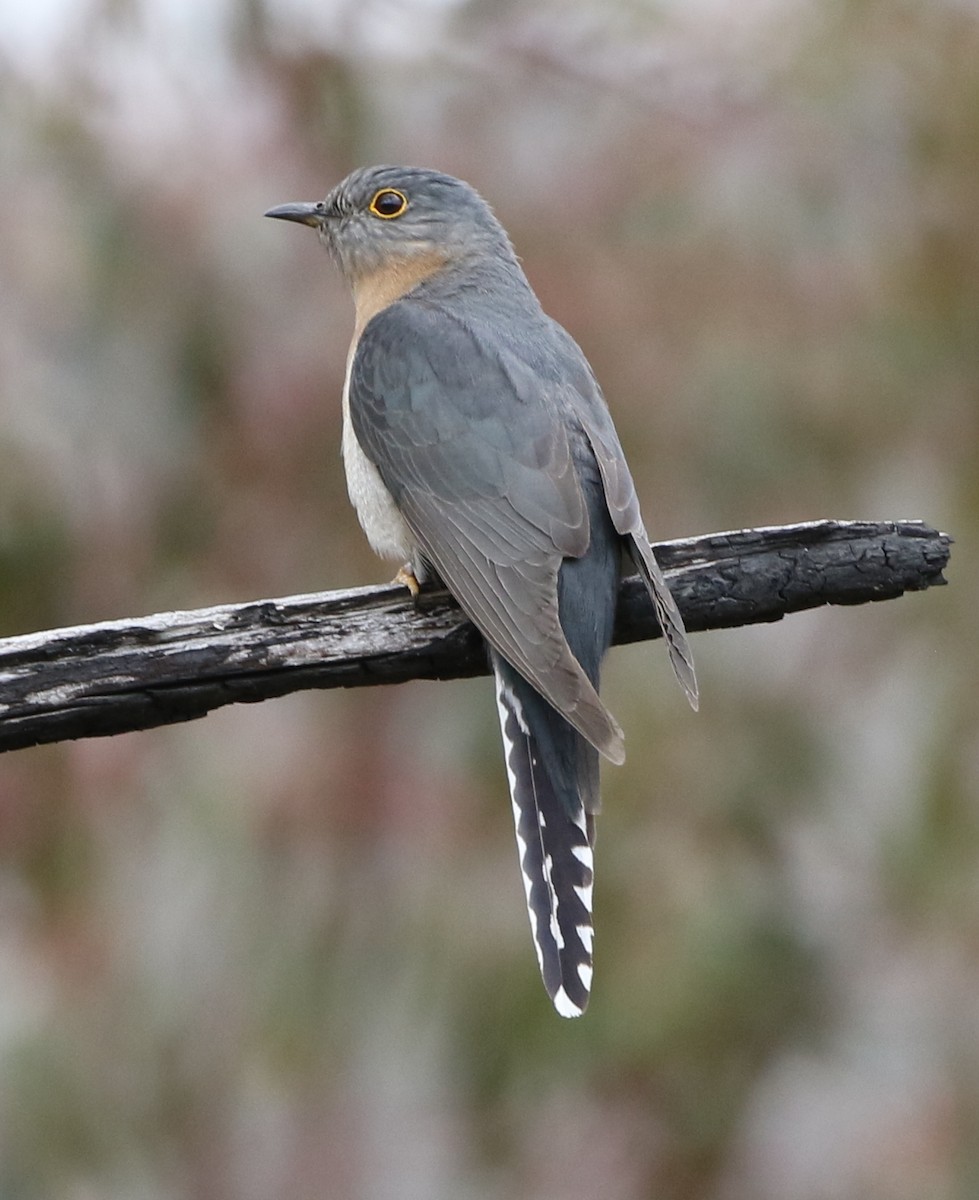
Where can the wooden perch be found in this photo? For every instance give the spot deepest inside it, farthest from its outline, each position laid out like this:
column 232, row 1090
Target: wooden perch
column 95, row 680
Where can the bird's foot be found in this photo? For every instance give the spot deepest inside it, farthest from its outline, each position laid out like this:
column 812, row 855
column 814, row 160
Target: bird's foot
column 406, row 577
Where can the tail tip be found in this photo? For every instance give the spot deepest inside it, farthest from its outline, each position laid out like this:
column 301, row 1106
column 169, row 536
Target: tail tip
column 566, row 1007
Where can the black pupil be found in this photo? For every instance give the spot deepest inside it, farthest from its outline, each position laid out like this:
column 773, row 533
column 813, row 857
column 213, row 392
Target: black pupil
column 388, row 203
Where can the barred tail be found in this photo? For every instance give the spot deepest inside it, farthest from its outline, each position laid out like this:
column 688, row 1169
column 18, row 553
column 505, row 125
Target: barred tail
column 553, row 777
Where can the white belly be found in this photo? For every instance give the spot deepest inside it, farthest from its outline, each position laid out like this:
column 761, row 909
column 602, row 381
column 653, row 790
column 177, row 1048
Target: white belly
column 386, row 530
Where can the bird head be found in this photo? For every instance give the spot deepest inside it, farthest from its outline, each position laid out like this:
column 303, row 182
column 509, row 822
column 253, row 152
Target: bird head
column 386, row 217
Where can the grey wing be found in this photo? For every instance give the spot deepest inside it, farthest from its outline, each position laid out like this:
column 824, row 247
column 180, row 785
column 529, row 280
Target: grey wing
column 624, row 509
column 474, row 451
column 623, row 505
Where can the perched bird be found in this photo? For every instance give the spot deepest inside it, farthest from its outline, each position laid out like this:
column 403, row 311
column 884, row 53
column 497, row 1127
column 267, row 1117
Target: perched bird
column 479, row 450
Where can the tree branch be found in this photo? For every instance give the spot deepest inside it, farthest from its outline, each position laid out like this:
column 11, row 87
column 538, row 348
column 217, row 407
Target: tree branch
column 115, row 676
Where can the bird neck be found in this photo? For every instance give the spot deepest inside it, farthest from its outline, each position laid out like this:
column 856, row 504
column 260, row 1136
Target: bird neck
column 374, row 290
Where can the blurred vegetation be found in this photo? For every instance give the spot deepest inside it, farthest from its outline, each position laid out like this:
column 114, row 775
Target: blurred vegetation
column 283, row 951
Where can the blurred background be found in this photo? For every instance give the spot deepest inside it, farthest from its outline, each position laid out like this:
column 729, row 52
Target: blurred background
column 283, row 951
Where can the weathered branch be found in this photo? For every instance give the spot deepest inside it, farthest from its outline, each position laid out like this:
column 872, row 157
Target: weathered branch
column 115, row 676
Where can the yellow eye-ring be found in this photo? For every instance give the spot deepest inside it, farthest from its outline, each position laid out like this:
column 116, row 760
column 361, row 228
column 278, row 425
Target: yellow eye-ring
column 388, row 203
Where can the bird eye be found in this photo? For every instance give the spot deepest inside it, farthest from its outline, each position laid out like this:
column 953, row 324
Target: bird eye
column 388, row 203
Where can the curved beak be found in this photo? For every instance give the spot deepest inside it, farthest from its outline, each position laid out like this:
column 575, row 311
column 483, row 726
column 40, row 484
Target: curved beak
column 305, row 214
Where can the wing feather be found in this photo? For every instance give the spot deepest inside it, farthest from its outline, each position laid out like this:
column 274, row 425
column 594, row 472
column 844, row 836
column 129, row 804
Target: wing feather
column 491, row 495
column 474, row 438
column 623, row 504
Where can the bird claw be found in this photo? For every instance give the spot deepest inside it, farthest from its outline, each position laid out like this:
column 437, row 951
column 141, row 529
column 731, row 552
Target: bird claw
column 406, row 577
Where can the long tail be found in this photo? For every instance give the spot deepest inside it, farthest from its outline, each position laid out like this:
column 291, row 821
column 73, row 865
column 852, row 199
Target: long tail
column 553, row 776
